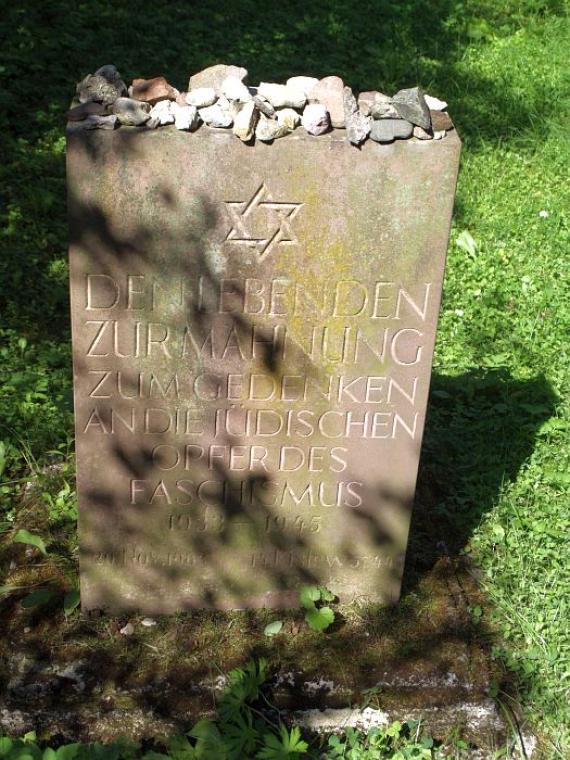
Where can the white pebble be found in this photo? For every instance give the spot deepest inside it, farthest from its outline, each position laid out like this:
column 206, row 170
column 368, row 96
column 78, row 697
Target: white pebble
column 303, row 84
column 316, row 119
column 234, row 89
column 216, row 116
column 128, row 630
column 201, row 97
column 543, row 214
column 185, row 117
column 163, row 112
column 282, row 96
column 435, row 104
column 148, row 622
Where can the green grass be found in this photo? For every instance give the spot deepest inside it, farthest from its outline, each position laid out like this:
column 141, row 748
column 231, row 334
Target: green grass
column 495, row 468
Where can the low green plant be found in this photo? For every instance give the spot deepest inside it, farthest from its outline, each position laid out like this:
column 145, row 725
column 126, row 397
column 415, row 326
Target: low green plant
column 24, row 536
column 319, row 616
column 398, row 741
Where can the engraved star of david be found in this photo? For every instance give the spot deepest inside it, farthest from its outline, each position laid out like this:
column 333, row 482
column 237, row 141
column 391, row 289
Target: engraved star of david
column 241, row 213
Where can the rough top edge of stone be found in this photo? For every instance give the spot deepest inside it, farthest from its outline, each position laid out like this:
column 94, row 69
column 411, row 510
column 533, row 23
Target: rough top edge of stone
column 205, row 132
column 220, row 97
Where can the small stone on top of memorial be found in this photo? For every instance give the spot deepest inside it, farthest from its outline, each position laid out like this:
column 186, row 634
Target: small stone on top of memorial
column 216, row 116
column 434, row 104
column 330, row 92
column 440, row 121
column 214, row 76
column 269, row 129
column 316, row 119
column 264, row 105
column 98, row 122
column 303, row 84
column 82, row 111
column 95, row 87
column 357, row 124
column 411, row 105
column 282, row 95
column 185, row 117
column 245, row 121
column 383, row 108
column 152, row 90
column 388, row 130
column 422, row 134
column 201, row 97
column 235, row 90
column 288, row 117
column 162, row 112
column 366, row 100
column 131, row 113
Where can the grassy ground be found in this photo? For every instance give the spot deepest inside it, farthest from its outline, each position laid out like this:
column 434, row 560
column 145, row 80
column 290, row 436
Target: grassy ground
column 494, row 479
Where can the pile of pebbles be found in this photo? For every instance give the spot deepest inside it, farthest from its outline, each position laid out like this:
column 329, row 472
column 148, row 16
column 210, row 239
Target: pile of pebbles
column 219, row 98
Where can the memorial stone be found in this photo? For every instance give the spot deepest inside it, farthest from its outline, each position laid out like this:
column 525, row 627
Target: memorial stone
column 253, row 331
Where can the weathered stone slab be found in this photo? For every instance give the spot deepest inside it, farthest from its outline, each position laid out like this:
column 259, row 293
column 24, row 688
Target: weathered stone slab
column 253, row 330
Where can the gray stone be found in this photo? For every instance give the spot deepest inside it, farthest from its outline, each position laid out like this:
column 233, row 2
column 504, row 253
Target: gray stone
column 383, row 108
column 356, row 123
column 422, row 134
column 269, row 129
column 185, row 117
column 316, row 119
column 216, row 116
column 100, row 90
column 330, row 92
column 235, row 90
column 382, row 104
column 245, row 121
column 131, row 112
column 366, row 100
column 201, row 97
column 214, row 76
column 281, row 95
column 411, row 105
column 388, row 130
column 264, row 105
column 97, row 122
column 109, row 72
column 288, row 117
column 82, row 111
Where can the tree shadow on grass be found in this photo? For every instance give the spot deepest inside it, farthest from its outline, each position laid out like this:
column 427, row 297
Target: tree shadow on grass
column 481, row 429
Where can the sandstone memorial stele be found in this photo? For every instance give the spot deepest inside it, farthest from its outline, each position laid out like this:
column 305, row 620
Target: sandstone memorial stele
column 253, row 328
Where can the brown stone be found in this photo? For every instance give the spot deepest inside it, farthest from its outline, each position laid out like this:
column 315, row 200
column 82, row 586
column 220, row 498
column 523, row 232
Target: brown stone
column 440, row 120
column 152, row 90
column 253, row 330
column 330, row 92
